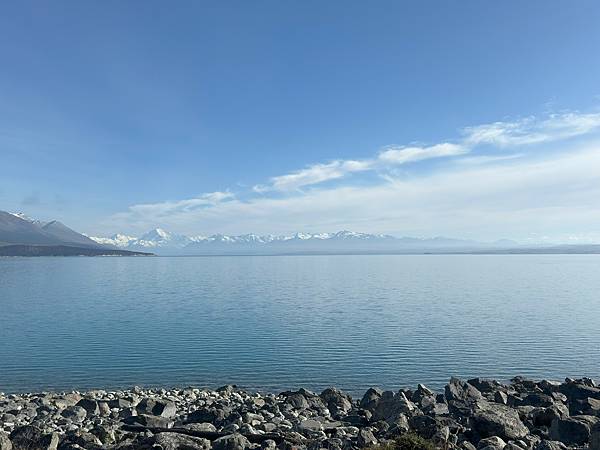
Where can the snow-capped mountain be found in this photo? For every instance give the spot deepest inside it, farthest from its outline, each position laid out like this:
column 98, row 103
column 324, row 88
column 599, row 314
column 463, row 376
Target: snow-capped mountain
column 164, row 242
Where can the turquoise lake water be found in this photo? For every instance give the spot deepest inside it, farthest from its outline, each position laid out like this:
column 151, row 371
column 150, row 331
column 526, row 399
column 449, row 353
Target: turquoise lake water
column 275, row 323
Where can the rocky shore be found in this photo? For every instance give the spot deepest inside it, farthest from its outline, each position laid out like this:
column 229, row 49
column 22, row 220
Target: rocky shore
column 469, row 415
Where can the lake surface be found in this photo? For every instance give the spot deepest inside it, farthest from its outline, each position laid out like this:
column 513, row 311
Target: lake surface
column 275, row 323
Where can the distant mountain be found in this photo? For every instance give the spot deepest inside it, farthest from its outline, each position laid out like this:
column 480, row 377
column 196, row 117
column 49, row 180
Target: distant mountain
column 166, row 243
column 23, row 236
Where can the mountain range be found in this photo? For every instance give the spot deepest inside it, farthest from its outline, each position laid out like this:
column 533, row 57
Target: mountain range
column 163, row 242
column 23, row 236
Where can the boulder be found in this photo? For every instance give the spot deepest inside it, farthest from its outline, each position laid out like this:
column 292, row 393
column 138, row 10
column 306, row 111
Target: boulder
column 5, row 443
column 176, row 441
column 595, row 437
column 550, row 445
column 156, row 407
column 337, row 402
column 370, row 399
column 75, row 413
column 149, row 421
column 30, row 437
column 492, row 442
column 231, row 442
column 366, row 438
column 90, row 406
column 461, row 395
column 572, row 430
column 493, row 419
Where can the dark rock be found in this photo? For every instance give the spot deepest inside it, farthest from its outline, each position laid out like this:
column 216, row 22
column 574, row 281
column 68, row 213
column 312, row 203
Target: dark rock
column 595, row 437
column 486, row 386
column 550, row 445
column 157, row 407
column 30, row 437
column 120, row 403
column 370, row 399
column 209, row 415
column 90, row 406
column 459, row 391
column 75, row 413
column 336, row 401
column 576, row 391
column 572, row 430
column 501, row 397
column 539, row 400
column 391, row 405
column 589, row 407
column 498, row 420
column 149, row 421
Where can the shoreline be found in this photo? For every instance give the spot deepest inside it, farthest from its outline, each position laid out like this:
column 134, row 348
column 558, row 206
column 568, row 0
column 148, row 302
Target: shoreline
column 469, row 415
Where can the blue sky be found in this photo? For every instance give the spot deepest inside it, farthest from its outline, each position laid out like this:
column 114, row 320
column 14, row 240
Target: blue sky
column 463, row 118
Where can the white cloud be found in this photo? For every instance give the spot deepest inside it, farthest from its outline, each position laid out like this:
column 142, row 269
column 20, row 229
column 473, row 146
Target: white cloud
column 531, row 130
column 317, row 173
column 170, row 208
column 482, row 194
column 403, row 155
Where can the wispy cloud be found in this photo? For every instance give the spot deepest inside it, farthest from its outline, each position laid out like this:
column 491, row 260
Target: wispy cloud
column 403, row 155
column 171, row 208
column 317, row 173
column 531, row 130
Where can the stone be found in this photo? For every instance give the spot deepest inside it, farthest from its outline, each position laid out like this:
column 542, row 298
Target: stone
column 203, row 427
column 498, row 420
column 366, row 438
column 90, row 406
column 572, row 430
column 231, row 442
column 177, row 441
column 459, row 391
column 75, row 413
column 391, row 405
column 595, row 437
column 30, row 437
column 5, row 443
column 370, row 399
column 336, row 401
column 157, row 407
column 501, row 397
column 494, row 442
column 149, row 421
column 310, row 425
column 550, row 445
column 589, row 406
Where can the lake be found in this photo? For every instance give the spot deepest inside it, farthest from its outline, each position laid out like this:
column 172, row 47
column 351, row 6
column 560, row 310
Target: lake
column 280, row 322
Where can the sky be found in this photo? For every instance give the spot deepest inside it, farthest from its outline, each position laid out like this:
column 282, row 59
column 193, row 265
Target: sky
column 468, row 119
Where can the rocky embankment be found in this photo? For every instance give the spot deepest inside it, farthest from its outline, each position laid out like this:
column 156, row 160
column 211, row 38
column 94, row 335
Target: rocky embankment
column 478, row 414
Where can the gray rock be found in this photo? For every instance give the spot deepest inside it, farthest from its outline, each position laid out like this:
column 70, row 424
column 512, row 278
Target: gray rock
column 90, row 406
column 498, row 420
column 391, row 405
column 30, row 437
column 157, row 407
column 149, row 421
column 459, row 391
column 204, row 427
column 572, row 430
column 231, row 442
column 310, row 425
column 336, row 401
column 371, row 398
column 5, row 443
column 366, row 438
column 176, row 441
column 550, row 445
column 493, row 442
column 75, row 413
